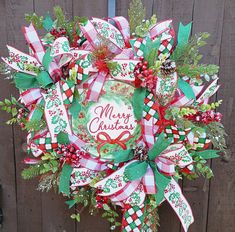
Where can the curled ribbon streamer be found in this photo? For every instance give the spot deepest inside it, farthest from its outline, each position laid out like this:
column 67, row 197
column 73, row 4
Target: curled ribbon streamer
column 119, row 140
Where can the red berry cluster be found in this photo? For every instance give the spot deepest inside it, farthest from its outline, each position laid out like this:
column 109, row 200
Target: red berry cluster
column 58, row 32
column 21, row 116
column 69, row 154
column 144, row 77
column 206, row 117
column 100, row 201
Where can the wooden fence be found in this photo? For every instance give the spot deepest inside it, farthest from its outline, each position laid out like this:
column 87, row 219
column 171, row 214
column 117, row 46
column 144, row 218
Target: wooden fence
column 213, row 204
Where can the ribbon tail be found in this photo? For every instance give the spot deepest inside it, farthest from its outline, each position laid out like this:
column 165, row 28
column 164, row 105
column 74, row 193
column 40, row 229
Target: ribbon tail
column 133, row 218
column 176, row 199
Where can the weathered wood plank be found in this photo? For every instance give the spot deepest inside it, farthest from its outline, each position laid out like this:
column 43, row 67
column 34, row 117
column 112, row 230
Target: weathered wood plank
column 28, row 202
column 207, row 17
column 44, row 6
column 89, row 8
column 179, row 11
column 7, row 162
column 55, row 213
column 122, row 7
column 222, row 188
column 98, row 8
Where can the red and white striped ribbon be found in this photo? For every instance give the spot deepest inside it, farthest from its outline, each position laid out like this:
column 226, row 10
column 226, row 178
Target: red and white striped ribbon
column 36, row 45
column 96, row 86
column 30, row 96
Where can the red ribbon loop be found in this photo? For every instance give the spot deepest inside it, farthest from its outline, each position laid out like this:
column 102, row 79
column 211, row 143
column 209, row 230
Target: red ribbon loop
column 120, row 140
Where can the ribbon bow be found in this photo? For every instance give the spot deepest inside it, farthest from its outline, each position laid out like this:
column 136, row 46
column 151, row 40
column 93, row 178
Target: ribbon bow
column 117, row 41
column 120, row 140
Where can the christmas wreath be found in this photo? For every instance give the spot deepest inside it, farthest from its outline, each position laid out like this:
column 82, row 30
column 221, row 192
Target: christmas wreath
column 116, row 112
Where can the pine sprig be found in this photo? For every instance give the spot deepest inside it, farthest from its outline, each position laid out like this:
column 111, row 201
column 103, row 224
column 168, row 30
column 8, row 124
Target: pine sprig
column 33, row 171
column 35, row 19
column 136, row 14
column 35, row 125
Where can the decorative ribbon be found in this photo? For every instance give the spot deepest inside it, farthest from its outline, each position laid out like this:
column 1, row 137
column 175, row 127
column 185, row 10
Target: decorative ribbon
column 55, row 112
column 35, row 43
column 94, row 30
column 120, row 140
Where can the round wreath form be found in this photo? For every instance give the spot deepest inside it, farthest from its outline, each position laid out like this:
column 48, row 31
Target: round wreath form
column 113, row 117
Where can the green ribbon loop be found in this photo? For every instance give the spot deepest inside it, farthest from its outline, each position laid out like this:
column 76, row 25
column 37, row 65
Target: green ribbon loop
column 161, row 182
column 47, row 59
column 64, row 184
column 25, row 81
column 138, row 169
column 44, row 79
column 160, row 145
column 123, row 156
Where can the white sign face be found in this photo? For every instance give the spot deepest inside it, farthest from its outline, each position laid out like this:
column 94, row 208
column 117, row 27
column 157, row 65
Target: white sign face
column 110, row 118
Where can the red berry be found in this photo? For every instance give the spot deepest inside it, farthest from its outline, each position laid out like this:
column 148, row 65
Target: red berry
column 68, row 160
column 22, row 125
column 140, row 76
column 19, row 116
column 141, row 58
column 72, row 149
column 145, row 63
column 144, row 67
column 140, row 65
column 69, row 155
column 150, row 76
column 146, row 72
column 74, row 157
column 21, row 110
column 150, row 71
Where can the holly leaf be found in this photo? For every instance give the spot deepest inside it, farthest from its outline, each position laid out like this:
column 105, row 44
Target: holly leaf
column 63, row 138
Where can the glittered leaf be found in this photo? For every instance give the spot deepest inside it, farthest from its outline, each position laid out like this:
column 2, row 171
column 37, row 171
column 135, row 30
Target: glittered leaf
column 150, row 45
column 136, row 14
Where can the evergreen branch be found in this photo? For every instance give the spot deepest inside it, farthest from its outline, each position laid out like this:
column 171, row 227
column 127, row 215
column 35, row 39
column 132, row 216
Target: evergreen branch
column 189, row 53
column 216, row 133
column 36, row 20
column 196, row 71
column 33, row 171
column 136, row 14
